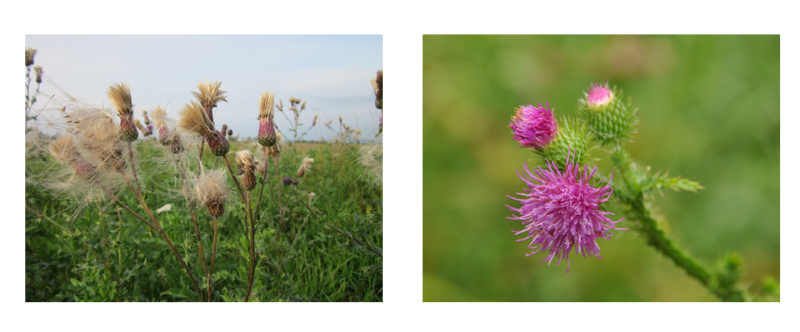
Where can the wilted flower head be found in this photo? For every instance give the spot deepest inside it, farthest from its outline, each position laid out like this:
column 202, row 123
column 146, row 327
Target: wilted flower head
column 103, row 146
column 560, row 211
column 599, row 95
column 305, row 166
column 209, row 95
column 211, row 190
column 63, row 149
column 247, row 164
column 120, row 96
column 39, row 72
column 266, row 129
column 533, row 126
column 194, row 119
column 29, row 54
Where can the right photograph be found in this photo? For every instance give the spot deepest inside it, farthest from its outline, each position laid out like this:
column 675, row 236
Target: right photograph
column 621, row 168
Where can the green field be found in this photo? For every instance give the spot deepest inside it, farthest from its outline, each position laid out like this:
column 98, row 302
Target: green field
column 101, row 255
column 709, row 110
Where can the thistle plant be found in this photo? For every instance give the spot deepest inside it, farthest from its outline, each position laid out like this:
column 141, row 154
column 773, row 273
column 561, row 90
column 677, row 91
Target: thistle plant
column 377, row 86
column 296, row 106
column 563, row 206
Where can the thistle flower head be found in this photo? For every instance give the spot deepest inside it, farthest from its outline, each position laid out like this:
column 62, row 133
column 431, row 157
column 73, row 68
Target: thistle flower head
column 103, row 146
column 533, row 126
column 65, row 151
column 120, row 96
column 598, row 94
column 194, row 119
column 561, row 211
column 29, row 55
column 209, row 94
column 39, row 73
column 210, row 189
column 305, row 166
column 247, row 164
column 266, row 128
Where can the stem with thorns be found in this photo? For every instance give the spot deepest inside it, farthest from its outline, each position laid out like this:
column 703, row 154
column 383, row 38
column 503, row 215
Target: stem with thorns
column 658, row 239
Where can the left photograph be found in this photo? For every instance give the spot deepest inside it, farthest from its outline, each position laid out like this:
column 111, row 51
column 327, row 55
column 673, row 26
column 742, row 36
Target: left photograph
column 203, row 168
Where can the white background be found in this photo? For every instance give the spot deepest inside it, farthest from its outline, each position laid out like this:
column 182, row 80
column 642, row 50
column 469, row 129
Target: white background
column 402, row 23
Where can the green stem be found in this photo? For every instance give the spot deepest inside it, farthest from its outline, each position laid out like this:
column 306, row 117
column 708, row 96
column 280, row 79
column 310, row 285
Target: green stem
column 658, row 238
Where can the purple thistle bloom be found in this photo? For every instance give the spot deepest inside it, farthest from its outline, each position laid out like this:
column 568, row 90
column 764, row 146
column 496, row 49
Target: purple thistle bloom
column 560, row 211
column 533, row 127
column 599, row 95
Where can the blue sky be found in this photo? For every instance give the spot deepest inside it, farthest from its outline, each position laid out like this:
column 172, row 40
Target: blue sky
column 331, row 72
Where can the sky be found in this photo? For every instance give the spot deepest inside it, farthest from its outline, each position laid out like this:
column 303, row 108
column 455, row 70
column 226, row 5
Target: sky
column 331, row 73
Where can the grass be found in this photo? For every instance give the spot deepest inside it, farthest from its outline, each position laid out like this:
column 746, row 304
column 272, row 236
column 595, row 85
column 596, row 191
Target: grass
column 318, row 263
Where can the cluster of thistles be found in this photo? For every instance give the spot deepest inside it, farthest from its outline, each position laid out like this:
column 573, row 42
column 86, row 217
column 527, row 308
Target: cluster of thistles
column 561, row 208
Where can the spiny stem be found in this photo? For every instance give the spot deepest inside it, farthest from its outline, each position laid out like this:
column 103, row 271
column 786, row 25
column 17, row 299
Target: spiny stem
column 658, row 239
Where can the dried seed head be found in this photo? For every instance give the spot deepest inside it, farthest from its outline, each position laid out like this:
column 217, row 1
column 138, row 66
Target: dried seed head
column 209, row 95
column 120, row 96
column 247, row 163
column 65, row 151
column 210, row 189
column 193, row 119
column 39, row 72
column 265, row 105
column 305, row 167
column 29, row 54
column 103, row 146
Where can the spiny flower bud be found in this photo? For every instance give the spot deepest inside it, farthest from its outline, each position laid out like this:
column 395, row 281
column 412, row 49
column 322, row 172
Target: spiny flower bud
column 305, row 166
column 287, row 180
column 230, row 132
column 608, row 116
column 275, row 150
column 247, row 164
column 572, row 137
column 266, row 129
column 533, row 126
column 211, row 190
column 120, row 96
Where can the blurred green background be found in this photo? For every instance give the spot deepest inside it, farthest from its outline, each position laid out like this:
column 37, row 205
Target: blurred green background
column 708, row 111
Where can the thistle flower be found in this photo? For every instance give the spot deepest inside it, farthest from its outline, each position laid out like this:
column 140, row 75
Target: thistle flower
column 140, row 126
column 167, row 137
column 560, row 211
column 608, row 117
column 146, row 119
column 230, row 132
column 29, row 54
column 194, row 119
column 377, row 86
column 572, row 137
column 120, row 96
column 247, row 163
column 211, row 190
column 39, row 73
column 266, row 129
column 287, row 181
column 305, row 166
column 63, row 149
column 533, row 126
column 209, row 95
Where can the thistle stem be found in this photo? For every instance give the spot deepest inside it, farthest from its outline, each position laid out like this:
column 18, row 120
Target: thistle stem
column 210, row 273
column 657, row 237
column 252, row 251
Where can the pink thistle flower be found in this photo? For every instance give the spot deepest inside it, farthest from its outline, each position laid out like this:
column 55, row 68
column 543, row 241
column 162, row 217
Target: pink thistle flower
column 561, row 211
column 599, row 95
column 533, row 126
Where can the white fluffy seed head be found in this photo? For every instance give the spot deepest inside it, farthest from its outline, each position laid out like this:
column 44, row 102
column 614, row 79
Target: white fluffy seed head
column 210, row 187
